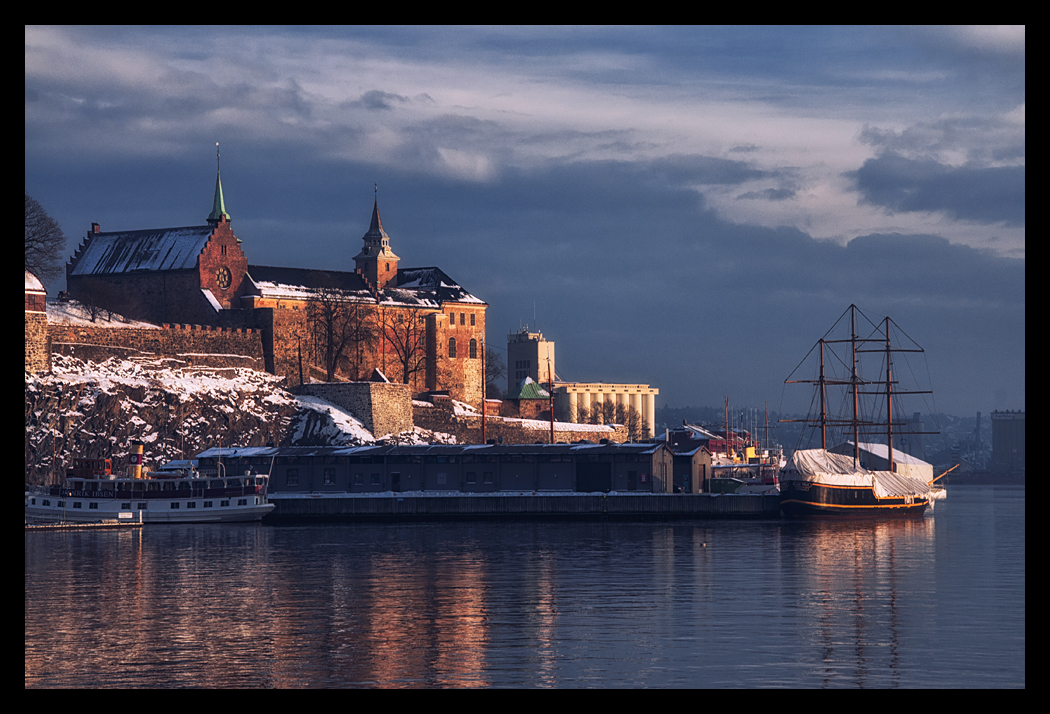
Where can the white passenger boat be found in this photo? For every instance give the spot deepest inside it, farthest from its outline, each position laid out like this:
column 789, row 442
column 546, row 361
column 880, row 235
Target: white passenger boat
column 92, row 493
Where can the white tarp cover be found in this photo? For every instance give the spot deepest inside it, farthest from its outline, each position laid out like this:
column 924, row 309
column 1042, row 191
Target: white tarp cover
column 820, row 466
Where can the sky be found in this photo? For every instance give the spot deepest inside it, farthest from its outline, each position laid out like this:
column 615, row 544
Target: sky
column 690, row 208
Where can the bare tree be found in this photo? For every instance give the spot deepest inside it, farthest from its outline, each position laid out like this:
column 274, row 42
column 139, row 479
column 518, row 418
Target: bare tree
column 495, row 371
column 103, row 300
column 45, row 242
column 610, row 413
column 337, row 326
column 404, row 332
column 630, row 417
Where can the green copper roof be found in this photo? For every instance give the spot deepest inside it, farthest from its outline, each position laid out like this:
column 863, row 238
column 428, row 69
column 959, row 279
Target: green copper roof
column 529, row 390
column 218, row 209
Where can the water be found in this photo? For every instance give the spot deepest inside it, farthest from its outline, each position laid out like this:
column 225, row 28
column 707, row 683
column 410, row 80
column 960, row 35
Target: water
column 938, row 602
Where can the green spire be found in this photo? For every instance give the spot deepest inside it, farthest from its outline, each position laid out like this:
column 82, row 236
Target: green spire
column 218, row 208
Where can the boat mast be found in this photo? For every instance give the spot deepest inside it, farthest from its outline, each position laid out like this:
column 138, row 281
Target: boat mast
column 889, row 399
column 823, row 399
column 853, row 380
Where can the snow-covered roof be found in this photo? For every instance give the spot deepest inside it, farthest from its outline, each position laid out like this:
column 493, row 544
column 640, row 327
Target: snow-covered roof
column 428, row 449
column 33, row 284
column 416, row 287
column 146, row 250
column 529, row 389
column 306, row 283
column 433, row 282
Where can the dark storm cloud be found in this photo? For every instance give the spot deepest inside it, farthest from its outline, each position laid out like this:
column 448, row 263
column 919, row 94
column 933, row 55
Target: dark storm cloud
column 532, row 189
column 638, row 281
column 988, row 195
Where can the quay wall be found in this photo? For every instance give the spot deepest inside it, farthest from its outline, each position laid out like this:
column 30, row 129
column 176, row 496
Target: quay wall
column 409, row 507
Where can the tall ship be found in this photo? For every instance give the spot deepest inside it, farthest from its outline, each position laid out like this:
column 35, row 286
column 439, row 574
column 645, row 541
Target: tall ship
column 92, row 493
column 866, row 474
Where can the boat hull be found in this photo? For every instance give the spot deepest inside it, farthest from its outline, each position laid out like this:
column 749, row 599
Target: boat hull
column 802, row 499
column 157, row 511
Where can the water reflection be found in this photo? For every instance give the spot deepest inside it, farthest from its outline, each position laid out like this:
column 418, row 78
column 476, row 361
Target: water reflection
column 775, row 603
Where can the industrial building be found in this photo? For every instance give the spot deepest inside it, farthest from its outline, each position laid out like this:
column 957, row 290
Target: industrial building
column 491, row 468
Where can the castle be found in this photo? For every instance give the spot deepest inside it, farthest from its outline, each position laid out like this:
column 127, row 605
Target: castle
column 416, row 325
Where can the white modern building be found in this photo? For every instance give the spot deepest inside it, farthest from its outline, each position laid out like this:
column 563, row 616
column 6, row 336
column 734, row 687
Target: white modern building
column 570, row 398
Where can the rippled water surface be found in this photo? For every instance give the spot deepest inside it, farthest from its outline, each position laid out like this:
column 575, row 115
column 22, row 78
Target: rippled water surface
column 938, row 602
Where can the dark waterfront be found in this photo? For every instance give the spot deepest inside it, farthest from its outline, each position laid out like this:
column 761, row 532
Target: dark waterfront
column 937, row 602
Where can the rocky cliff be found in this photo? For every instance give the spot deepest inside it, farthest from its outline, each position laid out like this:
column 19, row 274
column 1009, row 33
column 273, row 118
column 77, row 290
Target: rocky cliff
column 177, row 410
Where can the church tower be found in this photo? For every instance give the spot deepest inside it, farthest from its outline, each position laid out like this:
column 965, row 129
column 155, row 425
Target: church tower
column 221, row 262
column 376, row 262
column 218, row 207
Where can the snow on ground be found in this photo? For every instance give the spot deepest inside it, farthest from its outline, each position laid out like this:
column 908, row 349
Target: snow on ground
column 559, row 425
column 172, row 376
column 343, row 423
column 71, row 312
column 228, row 390
column 343, row 427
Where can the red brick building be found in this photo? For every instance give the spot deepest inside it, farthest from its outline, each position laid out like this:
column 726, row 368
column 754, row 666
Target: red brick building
column 417, row 325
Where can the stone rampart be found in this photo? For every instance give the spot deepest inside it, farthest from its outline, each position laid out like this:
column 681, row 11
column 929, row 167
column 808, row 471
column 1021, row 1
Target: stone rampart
column 384, row 408
column 38, row 352
column 467, row 428
column 192, row 344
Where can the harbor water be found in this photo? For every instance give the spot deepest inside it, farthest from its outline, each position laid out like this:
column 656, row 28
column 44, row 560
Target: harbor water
column 932, row 602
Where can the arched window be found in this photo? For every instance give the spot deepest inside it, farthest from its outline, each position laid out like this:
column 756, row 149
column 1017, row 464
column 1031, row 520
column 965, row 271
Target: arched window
column 473, row 349
column 451, row 346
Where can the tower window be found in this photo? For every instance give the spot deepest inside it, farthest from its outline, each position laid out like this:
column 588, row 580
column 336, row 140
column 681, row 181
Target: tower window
column 473, row 349
column 451, row 346
column 462, row 318
column 472, row 319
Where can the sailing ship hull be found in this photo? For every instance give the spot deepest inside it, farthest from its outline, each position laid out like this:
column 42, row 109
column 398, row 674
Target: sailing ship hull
column 802, row 499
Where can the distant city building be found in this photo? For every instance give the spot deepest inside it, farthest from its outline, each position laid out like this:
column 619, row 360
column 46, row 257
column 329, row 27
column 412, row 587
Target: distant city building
column 529, row 355
column 1008, row 441
column 572, row 400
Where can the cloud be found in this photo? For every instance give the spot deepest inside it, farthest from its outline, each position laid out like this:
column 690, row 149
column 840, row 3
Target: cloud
column 769, row 194
column 987, row 195
column 375, row 99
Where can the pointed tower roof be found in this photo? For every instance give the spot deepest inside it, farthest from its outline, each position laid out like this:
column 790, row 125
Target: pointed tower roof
column 376, row 240
column 218, row 208
column 376, row 263
column 375, row 229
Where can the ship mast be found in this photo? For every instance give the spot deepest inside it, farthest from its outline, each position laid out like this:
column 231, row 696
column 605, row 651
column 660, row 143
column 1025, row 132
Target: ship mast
column 889, row 398
column 854, row 385
column 823, row 401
